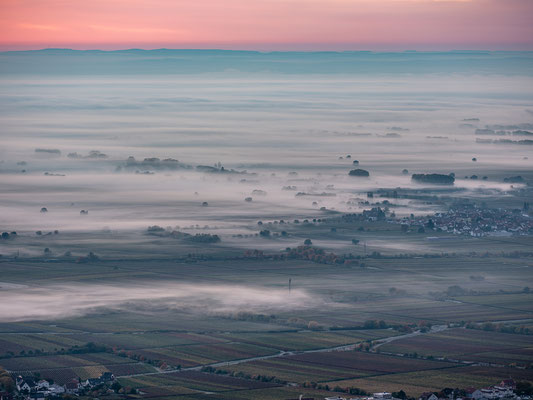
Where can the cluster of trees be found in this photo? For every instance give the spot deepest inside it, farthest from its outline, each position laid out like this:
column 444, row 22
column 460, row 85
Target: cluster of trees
column 6, row 382
column 491, row 327
column 439, row 179
column 317, row 255
column 302, row 323
column 359, row 172
column 524, row 388
column 305, row 252
column 150, row 162
column 157, row 230
column 339, row 389
column 118, row 388
column 102, row 390
column 248, row 316
column 452, row 291
column 374, row 324
column 264, row 233
column 84, row 349
column 91, row 257
column 514, row 179
column 243, row 375
column 204, row 238
column 138, row 357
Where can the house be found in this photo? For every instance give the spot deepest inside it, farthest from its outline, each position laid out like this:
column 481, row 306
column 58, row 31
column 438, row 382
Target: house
column 24, row 387
column 107, row 377
column 490, row 393
column 428, row 396
column 383, row 396
column 56, row 389
column 477, row 394
column 303, row 398
column 42, row 385
column 508, row 383
column 72, row 387
column 503, row 391
column 92, row 382
column 24, row 384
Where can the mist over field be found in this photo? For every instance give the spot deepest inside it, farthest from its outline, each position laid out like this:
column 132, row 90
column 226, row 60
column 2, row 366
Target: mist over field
column 61, row 301
column 66, row 135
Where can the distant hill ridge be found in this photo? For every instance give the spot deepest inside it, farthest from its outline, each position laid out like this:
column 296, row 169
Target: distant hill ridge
column 189, row 61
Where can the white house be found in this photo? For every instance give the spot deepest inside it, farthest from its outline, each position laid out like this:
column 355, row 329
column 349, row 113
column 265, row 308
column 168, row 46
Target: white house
column 56, row 389
column 43, row 385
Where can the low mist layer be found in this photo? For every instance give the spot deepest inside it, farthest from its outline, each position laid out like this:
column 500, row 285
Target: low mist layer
column 62, row 301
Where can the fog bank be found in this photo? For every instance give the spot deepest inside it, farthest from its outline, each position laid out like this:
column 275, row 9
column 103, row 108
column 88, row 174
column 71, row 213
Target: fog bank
column 63, row 301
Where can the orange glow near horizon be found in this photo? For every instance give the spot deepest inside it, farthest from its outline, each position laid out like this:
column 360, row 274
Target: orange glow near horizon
column 267, row 24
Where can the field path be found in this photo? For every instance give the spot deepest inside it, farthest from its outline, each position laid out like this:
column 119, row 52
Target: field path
column 434, row 329
column 347, row 347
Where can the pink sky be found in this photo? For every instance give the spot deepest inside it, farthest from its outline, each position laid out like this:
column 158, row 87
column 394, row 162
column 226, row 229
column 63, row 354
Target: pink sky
column 267, row 24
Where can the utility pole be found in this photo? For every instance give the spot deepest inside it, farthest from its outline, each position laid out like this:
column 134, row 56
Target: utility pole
column 290, row 280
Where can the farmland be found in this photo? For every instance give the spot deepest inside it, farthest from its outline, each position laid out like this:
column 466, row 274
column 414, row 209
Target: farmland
column 231, row 225
column 161, row 353
column 449, row 313
column 468, row 345
column 423, row 381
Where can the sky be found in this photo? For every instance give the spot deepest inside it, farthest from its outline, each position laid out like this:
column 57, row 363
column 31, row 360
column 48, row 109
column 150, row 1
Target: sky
column 267, row 24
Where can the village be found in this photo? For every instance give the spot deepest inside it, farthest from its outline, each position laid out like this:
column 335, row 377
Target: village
column 460, row 219
column 505, row 389
column 471, row 220
column 29, row 388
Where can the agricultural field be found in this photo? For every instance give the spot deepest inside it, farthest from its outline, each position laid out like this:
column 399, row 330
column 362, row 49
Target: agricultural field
column 400, row 320
column 307, row 340
column 324, row 367
column 468, row 345
column 434, row 380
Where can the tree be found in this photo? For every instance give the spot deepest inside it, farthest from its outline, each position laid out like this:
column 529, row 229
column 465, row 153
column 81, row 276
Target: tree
column 371, row 324
column 399, row 395
column 6, row 382
column 524, row 388
column 439, row 179
column 308, row 242
column 359, row 172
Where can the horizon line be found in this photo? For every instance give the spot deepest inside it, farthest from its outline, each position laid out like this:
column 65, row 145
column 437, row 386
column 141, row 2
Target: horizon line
column 473, row 50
